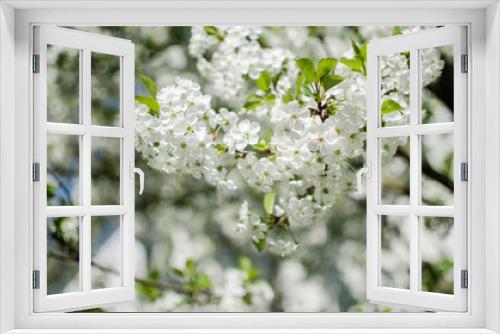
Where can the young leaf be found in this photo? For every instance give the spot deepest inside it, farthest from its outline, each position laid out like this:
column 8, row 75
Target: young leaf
column 306, row 67
column 260, row 245
column 253, row 101
column 396, row 31
column 299, row 82
column 190, row 267
column 330, row 81
column 288, row 97
column 354, row 64
column 268, row 201
column 149, row 84
column 203, row 282
column 355, row 47
column 307, row 90
column 177, row 272
column 262, row 146
column 269, row 134
column 270, row 98
column 325, row 66
column 211, row 30
column 221, row 148
column 154, row 107
column 362, row 51
column 245, row 263
column 389, row 106
column 264, row 82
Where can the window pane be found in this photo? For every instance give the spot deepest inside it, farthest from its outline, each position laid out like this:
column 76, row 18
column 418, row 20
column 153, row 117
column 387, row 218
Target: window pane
column 437, row 254
column 63, row 169
column 394, row 89
column 395, row 170
column 63, row 255
column 106, row 252
column 105, row 89
column 63, row 84
column 437, row 74
column 105, row 171
column 437, row 169
column 395, row 252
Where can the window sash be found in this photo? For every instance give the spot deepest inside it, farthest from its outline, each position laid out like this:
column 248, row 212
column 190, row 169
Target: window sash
column 414, row 42
column 86, row 43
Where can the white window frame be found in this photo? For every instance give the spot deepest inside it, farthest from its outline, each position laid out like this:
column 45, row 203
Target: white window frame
column 16, row 214
column 86, row 43
column 414, row 211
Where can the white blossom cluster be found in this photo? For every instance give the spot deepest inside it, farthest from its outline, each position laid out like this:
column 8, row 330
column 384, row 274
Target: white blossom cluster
column 395, row 86
column 182, row 139
column 234, row 54
column 233, row 293
column 307, row 155
column 237, row 295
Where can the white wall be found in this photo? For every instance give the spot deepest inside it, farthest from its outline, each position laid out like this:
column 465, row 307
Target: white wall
column 6, row 167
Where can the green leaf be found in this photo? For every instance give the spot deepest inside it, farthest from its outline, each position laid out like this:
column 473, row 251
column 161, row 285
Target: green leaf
column 269, row 134
column 211, row 30
column 362, row 51
column 354, row 64
column 154, row 275
column 288, row 97
column 149, row 84
column 245, row 263
column 299, row 82
column 252, row 274
column 203, row 282
column 264, row 82
column 269, row 98
column 325, row 66
column 306, row 67
column 152, row 104
column 396, row 31
column 307, row 91
column 355, row 47
column 389, row 106
column 253, row 101
column 190, row 267
column 330, row 81
column 221, row 148
column 268, row 201
column 177, row 272
column 260, row 146
column 260, row 245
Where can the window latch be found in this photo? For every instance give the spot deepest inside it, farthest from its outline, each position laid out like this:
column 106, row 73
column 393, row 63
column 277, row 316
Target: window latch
column 365, row 171
column 133, row 171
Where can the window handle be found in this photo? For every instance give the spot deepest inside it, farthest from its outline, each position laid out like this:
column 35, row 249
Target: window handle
column 134, row 170
column 365, row 171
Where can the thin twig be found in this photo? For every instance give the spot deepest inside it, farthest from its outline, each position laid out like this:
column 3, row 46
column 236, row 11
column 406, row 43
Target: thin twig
column 145, row 281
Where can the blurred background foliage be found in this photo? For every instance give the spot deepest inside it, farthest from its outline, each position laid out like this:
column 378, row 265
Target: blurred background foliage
column 185, row 229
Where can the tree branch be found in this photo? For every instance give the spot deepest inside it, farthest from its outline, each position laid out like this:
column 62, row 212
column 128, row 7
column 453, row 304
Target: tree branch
column 428, row 170
column 145, row 281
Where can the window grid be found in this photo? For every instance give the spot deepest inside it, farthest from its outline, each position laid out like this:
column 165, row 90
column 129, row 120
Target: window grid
column 415, row 210
column 84, row 209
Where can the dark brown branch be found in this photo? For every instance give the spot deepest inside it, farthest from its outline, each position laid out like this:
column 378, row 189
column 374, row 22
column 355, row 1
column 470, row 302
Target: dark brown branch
column 428, row 170
column 145, row 281
column 61, row 184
